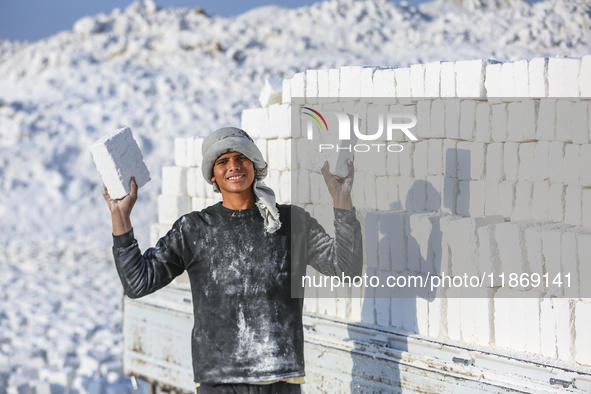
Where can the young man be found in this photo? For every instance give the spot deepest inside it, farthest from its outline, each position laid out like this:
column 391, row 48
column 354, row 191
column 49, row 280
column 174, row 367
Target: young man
column 242, row 256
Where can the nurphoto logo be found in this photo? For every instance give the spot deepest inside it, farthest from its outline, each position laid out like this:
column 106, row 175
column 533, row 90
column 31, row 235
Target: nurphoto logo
column 349, row 130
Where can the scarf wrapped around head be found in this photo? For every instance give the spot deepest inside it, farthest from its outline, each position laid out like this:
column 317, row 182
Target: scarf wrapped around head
column 232, row 139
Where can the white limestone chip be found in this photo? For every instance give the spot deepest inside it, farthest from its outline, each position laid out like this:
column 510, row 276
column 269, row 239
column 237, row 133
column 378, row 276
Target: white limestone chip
column 272, row 92
column 118, row 158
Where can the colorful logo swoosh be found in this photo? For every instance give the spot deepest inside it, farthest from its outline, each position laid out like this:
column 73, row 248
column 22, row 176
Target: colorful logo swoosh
column 315, row 118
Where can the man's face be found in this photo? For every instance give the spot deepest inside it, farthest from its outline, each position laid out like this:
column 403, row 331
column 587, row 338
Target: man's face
column 234, row 173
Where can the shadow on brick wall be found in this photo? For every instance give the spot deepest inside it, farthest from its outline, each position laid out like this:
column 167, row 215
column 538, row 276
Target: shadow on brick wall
column 409, row 244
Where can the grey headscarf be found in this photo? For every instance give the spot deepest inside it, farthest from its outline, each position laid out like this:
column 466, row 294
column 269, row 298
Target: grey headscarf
column 232, row 139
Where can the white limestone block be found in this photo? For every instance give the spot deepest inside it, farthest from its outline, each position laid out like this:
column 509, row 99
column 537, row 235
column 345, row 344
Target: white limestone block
column 585, row 163
column 555, row 161
column 393, row 193
column 432, row 79
column 506, row 198
column 491, row 204
column 571, row 164
column 522, row 120
column 437, row 121
column 527, row 161
column 483, row 332
column 586, row 208
column 581, row 122
column 552, row 251
column 570, row 264
column 366, row 81
column 507, row 82
column 582, row 330
column 511, row 160
column 494, row 162
column 118, row 158
column 538, row 77
column 174, row 181
column 434, row 193
column 170, row 208
column 372, row 240
column 564, row 120
column 261, row 143
column 585, row 77
column 334, row 82
column 488, row 255
column 477, row 198
column 277, row 150
column 493, row 81
column 530, row 319
column 504, row 318
column 435, row 162
column 452, row 118
column 477, row 161
column 541, row 157
column 454, row 316
column 253, row 122
column 382, row 306
column 383, row 200
column 272, row 92
column 285, row 187
column 286, row 91
column 510, row 239
column 483, row 123
column 438, row 317
column 547, row 328
column 417, row 80
column 565, row 327
column 584, row 249
column 190, row 156
column 539, row 209
column 280, row 121
column 556, row 197
column 312, row 86
column 448, row 80
column 463, row 199
column 521, row 78
column 546, row 125
column 420, row 159
column 198, row 148
column 323, row 86
column 468, row 120
column 350, row 82
column 369, row 193
column 423, row 127
column 406, row 160
column 464, row 160
column 298, row 85
column 403, row 91
column 563, row 76
column 450, row 164
column 384, row 84
column 523, row 200
column 470, row 78
column 451, row 190
column 499, row 123
column 422, row 313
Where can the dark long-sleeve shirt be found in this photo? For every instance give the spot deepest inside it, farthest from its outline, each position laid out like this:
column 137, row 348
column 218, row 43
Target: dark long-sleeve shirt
column 248, row 327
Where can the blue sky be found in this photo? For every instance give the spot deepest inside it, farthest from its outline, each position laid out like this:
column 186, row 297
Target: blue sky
column 35, row 19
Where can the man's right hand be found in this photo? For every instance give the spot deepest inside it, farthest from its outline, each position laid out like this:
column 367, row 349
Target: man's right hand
column 121, row 209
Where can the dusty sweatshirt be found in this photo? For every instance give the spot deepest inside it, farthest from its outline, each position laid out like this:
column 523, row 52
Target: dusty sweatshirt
column 247, row 328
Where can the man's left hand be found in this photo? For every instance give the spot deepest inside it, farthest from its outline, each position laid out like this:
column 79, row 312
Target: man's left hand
column 339, row 188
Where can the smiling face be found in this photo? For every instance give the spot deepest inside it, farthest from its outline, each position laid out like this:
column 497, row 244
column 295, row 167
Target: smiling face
column 234, row 173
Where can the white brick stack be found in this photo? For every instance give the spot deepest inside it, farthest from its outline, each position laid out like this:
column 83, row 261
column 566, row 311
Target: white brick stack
column 498, row 183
